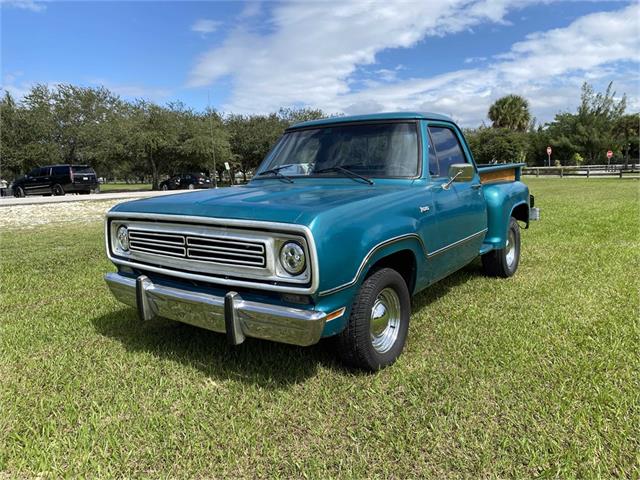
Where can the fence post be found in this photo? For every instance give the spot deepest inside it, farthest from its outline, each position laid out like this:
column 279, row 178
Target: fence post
column 561, row 172
column 588, row 171
column 621, row 172
column 537, row 172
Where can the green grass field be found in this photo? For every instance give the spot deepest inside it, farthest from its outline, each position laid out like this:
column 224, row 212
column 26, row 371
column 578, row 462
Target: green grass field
column 534, row 376
column 124, row 187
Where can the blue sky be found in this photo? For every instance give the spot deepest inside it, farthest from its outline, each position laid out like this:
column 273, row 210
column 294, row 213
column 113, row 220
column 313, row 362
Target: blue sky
column 453, row 56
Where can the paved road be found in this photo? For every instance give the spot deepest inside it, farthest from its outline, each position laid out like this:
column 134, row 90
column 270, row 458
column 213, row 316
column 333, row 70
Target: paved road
column 13, row 202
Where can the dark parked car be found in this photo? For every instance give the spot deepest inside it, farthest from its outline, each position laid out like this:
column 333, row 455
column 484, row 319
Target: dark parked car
column 188, row 181
column 56, row 180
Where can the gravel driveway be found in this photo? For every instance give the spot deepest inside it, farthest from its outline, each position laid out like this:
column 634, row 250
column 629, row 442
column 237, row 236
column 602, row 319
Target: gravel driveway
column 30, row 216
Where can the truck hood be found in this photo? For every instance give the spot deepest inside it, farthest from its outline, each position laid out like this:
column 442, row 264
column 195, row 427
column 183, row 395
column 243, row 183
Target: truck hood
column 273, row 201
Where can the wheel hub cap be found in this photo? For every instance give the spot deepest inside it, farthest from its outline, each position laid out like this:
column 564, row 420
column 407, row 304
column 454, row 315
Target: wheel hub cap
column 385, row 320
column 511, row 248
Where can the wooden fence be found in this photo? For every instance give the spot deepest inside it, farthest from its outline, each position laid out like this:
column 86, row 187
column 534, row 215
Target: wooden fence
column 631, row 170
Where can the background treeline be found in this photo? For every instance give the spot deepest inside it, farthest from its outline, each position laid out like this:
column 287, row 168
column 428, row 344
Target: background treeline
column 142, row 140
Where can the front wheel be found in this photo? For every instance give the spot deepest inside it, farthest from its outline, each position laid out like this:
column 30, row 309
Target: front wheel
column 165, row 187
column 377, row 330
column 57, row 190
column 191, row 186
column 19, row 192
column 504, row 262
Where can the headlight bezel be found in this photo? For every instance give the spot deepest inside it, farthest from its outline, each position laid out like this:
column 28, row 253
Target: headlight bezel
column 292, row 250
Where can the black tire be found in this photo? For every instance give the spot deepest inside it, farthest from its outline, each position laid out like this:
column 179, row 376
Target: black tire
column 499, row 263
column 57, row 190
column 355, row 344
column 18, row 192
column 191, row 186
column 164, row 187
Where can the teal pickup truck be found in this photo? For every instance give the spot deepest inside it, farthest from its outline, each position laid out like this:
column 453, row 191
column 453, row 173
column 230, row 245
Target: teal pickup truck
column 345, row 219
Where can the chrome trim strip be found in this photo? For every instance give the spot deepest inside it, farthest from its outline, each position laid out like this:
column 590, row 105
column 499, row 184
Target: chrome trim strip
column 455, row 244
column 228, row 222
column 393, row 240
column 368, row 257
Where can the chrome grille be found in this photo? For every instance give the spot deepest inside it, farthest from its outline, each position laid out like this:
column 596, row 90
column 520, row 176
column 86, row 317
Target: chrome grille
column 219, row 250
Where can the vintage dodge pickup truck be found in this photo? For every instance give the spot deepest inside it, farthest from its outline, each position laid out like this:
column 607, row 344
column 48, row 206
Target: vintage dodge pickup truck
column 344, row 221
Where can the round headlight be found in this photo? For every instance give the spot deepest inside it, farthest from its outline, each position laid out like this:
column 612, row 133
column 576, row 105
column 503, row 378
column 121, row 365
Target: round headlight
column 122, row 237
column 292, row 258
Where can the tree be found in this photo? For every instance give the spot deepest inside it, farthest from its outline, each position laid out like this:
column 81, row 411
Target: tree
column 510, row 112
column 627, row 130
column 591, row 130
column 251, row 138
column 492, row 145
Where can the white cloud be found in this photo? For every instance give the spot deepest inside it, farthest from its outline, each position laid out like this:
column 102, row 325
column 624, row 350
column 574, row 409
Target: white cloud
column 313, row 51
column 251, row 9
column 25, row 4
column 204, row 26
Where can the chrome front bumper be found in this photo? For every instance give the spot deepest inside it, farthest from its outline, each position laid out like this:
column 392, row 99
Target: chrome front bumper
column 231, row 314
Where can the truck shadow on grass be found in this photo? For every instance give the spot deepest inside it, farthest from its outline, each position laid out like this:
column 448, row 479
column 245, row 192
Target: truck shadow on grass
column 257, row 362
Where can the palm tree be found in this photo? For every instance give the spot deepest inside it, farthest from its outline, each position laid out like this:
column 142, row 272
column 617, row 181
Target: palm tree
column 510, row 112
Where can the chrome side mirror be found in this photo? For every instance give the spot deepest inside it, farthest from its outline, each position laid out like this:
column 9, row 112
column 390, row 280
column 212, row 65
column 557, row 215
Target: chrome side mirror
column 459, row 172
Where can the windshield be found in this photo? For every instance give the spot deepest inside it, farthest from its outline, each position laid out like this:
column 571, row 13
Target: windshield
column 373, row 150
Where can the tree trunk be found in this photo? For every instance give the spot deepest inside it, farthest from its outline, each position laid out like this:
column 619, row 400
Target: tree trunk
column 154, row 172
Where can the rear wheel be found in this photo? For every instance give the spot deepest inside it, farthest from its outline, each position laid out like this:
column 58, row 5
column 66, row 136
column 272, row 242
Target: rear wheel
column 165, row 187
column 57, row 190
column 191, row 186
column 504, row 262
column 377, row 330
column 18, row 192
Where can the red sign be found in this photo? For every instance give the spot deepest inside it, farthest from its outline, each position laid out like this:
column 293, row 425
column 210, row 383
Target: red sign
column 549, row 150
column 609, row 154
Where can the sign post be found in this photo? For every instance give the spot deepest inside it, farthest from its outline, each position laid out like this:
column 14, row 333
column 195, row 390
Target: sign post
column 549, row 150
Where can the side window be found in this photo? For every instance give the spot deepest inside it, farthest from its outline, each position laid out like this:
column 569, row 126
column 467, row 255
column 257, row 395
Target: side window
column 448, row 149
column 60, row 170
column 44, row 172
column 434, row 169
column 34, row 173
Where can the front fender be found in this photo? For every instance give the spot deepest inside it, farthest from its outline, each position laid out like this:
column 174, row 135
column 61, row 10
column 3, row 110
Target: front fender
column 502, row 199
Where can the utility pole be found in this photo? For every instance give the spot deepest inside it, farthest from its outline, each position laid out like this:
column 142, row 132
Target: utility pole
column 213, row 144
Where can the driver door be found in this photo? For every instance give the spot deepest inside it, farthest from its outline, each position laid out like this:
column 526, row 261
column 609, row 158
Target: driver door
column 459, row 207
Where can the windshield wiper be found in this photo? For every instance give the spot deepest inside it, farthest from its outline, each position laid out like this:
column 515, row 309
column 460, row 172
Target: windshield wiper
column 276, row 171
column 346, row 171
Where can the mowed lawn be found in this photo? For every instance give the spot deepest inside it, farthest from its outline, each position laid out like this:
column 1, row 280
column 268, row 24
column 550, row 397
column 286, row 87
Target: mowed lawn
column 534, row 376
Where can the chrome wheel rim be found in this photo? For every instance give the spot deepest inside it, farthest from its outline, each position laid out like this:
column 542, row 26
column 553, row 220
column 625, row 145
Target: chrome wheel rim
column 385, row 320
column 511, row 248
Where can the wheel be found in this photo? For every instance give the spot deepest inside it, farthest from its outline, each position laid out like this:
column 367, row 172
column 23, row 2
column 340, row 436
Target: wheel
column 377, row 329
column 57, row 190
column 165, row 187
column 191, row 186
column 18, row 192
column 504, row 262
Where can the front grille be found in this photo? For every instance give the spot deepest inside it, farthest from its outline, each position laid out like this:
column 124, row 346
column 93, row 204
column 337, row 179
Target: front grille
column 219, row 250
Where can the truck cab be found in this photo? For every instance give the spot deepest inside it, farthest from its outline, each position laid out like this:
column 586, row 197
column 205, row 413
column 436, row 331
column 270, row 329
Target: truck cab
column 344, row 221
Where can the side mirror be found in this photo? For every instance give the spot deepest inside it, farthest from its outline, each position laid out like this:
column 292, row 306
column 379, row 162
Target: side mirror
column 459, row 172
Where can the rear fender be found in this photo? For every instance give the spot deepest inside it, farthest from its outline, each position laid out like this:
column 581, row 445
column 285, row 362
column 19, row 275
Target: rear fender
column 504, row 200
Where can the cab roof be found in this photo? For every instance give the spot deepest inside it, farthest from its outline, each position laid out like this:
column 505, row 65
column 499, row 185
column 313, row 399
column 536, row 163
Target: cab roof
column 373, row 117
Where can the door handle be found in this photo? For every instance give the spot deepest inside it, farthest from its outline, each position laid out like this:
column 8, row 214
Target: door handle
column 476, row 186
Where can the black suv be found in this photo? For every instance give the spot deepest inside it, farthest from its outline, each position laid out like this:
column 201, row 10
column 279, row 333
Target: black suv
column 56, row 180
column 186, row 180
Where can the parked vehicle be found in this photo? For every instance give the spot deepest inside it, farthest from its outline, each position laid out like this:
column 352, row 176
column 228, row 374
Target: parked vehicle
column 188, row 181
column 56, row 180
column 345, row 219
